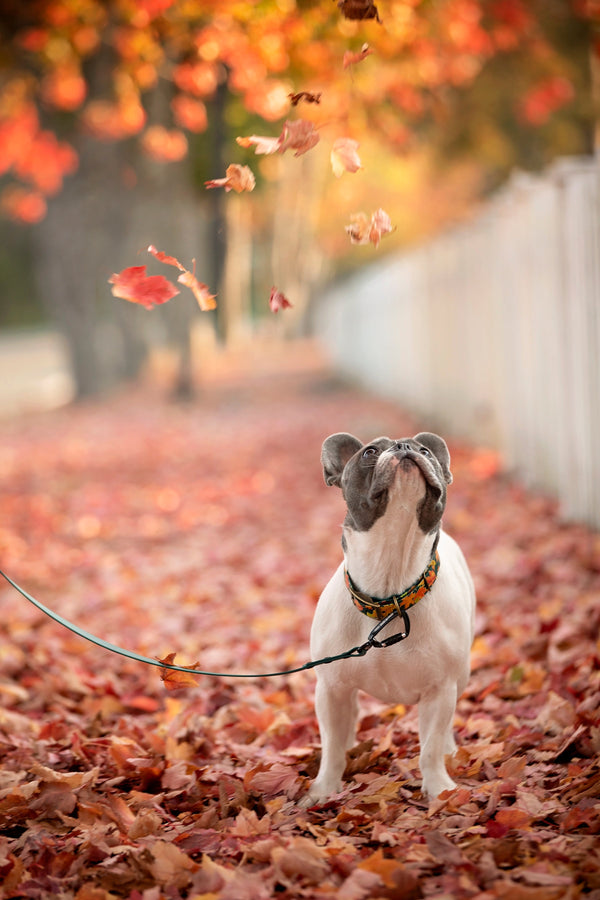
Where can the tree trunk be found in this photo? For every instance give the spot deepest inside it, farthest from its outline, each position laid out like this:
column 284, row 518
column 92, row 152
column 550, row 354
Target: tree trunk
column 75, row 246
column 217, row 204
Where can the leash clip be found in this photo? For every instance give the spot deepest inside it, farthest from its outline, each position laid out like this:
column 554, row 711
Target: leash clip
column 388, row 641
column 393, row 638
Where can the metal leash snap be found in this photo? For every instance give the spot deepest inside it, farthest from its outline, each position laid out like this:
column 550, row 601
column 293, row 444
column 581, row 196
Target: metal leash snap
column 393, row 638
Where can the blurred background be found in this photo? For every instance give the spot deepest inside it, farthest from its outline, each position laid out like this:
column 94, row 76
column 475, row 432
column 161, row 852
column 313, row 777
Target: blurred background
column 476, row 124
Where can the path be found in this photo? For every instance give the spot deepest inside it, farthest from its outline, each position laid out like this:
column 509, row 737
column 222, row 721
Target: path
column 207, row 530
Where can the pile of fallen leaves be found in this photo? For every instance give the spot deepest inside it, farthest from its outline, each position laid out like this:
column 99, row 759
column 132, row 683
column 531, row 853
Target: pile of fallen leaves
column 207, row 530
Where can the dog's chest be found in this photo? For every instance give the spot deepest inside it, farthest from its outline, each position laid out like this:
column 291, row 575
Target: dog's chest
column 387, row 558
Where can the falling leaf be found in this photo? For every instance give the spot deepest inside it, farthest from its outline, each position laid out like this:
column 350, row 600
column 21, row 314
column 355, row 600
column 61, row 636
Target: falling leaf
column 238, row 178
column 358, row 9
column 164, row 258
column 364, row 230
column 201, row 292
column 260, row 143
column 278, row 301
column 344, row 156
column 306, row 96
column 299, row 135
column 148, row 290
column 353, row 57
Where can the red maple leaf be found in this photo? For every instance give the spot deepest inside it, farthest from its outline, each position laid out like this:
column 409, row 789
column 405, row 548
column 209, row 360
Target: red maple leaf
column 148, row 290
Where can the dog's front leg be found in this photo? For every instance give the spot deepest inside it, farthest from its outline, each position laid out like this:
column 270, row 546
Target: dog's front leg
column 337, row 712
column 436, row 714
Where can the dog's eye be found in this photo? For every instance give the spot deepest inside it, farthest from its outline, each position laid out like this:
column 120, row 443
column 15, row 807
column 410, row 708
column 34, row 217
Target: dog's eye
column 370, row 451
column 425, row 451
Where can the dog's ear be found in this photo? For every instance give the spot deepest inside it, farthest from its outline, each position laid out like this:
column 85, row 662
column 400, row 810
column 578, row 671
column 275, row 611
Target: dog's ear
column 337, row 450
column 439, row 448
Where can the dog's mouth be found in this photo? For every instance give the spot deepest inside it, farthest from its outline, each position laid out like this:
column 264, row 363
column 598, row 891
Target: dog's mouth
column 409, row 461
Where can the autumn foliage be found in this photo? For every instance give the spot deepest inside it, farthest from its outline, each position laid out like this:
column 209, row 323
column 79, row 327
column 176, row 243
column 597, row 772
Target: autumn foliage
column 209, row 533
column 273, row 56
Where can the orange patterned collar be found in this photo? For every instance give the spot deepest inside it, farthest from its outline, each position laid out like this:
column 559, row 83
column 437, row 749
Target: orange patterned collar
column 377, row 608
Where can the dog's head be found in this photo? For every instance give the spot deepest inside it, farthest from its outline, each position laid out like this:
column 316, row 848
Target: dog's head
column 375, row 477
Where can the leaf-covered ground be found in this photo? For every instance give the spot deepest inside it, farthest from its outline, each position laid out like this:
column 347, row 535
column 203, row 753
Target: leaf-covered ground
column 207, row 530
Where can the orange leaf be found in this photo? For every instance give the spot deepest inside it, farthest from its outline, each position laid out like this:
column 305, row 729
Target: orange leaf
column 381, row 866
column 172, row 678
column 164, row 258
column 344, row 156
column 148, row 290
column 351, row 58
column 513, row 817
column 237, row 178
column 201, row 292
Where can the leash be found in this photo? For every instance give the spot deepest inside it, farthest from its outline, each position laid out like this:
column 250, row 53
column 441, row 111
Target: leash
column 357, row 651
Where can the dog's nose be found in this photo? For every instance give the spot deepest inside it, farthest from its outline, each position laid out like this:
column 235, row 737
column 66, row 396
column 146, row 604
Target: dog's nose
column 402, row 445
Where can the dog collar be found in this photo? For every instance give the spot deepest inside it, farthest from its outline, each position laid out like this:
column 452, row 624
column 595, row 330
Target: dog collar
column 377, row 608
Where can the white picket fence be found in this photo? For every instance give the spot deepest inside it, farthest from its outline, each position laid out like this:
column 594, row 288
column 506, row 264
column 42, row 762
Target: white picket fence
column 491, row 332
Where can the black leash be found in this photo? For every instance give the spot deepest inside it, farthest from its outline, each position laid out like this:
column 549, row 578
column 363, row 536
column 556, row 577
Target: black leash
column 357, row 651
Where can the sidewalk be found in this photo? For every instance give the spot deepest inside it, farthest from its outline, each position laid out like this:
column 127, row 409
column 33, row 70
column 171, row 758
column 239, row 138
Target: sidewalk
column 34, row 372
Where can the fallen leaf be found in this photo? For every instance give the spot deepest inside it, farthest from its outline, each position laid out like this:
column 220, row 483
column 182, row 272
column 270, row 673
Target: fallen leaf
column 170, row 865
column 173, row 678
column 148, row 290
column 512, row 817
column 441, row 848
column 237, row 178
column 379, row 865
column 301, row 858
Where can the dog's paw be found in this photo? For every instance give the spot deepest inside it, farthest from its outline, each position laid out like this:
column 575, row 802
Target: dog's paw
column 434, row 786
column 310, row 800
column 319, row 795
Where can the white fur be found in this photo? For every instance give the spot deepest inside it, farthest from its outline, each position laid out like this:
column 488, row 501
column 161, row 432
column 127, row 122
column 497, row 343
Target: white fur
column 430, row 668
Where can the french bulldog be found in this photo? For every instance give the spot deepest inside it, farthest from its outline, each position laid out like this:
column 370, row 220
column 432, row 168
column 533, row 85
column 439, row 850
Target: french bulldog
column 396, row 558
